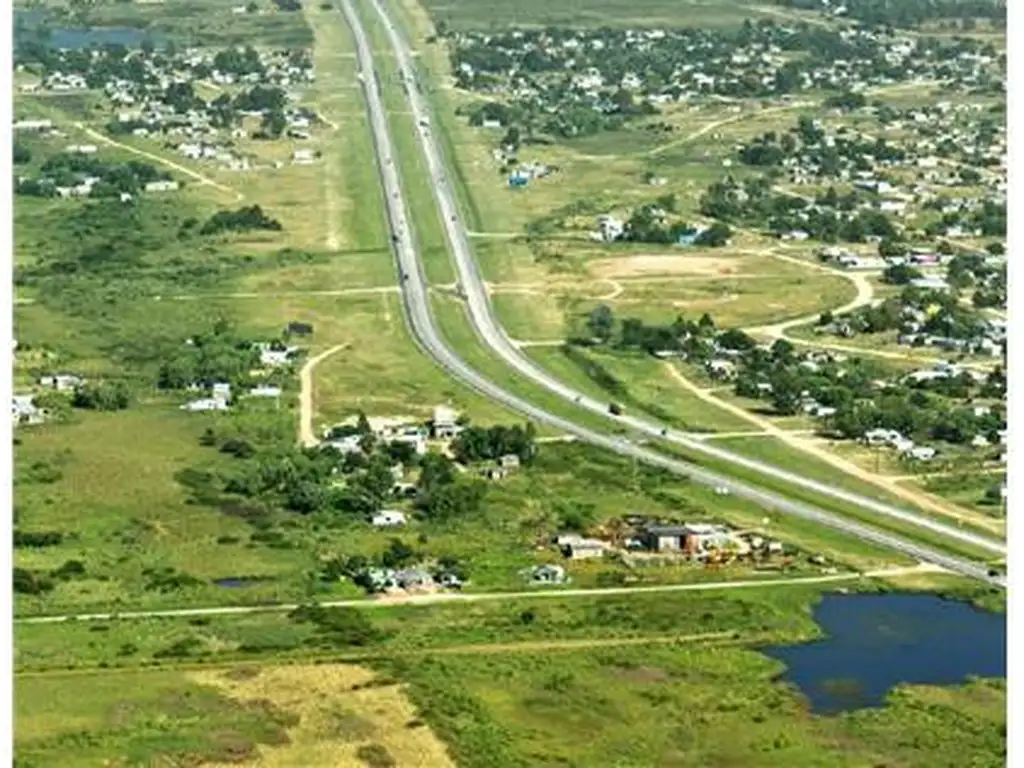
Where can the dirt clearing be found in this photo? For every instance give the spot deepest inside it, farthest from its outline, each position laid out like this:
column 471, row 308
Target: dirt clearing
column 649, row 264
column 346, row 717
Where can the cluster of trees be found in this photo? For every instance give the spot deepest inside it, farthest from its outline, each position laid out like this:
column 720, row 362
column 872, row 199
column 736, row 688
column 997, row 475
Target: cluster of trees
column 648, row 224
column 245, row 219
column 360, row 483
column 918, row 411
column 632, row 333
column 989, row 220
column 806, row 139
column 483, row 443
column 288, row 5
column 69, row 169
column 27, row 581
column 753, row 203
column 918, row 415
column 944, row 314
column 219, row 355
column 104, row 396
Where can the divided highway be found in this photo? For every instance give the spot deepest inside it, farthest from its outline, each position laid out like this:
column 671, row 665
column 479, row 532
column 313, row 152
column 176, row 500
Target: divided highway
column 418, row 313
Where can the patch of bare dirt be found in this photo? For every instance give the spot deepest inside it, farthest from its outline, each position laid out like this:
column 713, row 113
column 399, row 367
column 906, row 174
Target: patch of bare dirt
column 645, row 265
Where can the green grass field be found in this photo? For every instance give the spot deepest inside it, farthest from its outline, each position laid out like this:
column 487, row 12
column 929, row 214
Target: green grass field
column 463, row 14
column 680, row 706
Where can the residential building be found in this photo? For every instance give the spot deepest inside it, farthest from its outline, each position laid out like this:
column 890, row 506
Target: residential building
column 61, row 382
column 388, row 518
column 444, row 425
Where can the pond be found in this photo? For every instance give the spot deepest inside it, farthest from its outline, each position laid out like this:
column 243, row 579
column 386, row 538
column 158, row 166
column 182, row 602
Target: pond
column 70, row 37
column 875, row 642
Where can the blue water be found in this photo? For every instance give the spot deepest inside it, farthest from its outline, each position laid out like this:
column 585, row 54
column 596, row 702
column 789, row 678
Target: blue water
column 238, row 582
column 66, row 37
column 875, row 642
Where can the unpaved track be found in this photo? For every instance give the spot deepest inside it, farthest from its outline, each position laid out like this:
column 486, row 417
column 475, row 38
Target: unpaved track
column 306, row 435
column 463, row 597
column 920, row 499
column 158, row 159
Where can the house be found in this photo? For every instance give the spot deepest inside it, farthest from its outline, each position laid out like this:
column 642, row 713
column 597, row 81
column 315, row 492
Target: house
column 922, row 453
column 494, row 473
column 25, row 411
column 444, row 426
column 930, row 283
column 664, row 538
column 298, row 329
column 413, row 578
column 388, row 518
column 265, row 391
column 609, row 228
column 269, row 356
column 689, row 236
column 221, row 390
column 164, row 185
column 518, row 179
column 61, row 382
column 509, row 461
column 206, row 404
column 979, row 441
column 346, row 444
column 548, row 574
column 304, row 156
column 81, row 149
column 721, row 369
column 450, row 581
column 576, row 547
column 36, row 126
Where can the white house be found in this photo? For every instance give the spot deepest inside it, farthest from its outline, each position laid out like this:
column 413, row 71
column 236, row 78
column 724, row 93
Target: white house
column 922, row 453
column 25, row 411
column 303, row 156
column 61, row 382
column 206, row 404
column 161, row 186
column 444, row 423
column 388, row 518
column 265, row 391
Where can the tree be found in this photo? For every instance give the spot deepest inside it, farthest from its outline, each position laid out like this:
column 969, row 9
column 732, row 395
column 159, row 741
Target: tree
column 900, row 274
column 715, row 236
column 435, row 470
column 601, row 322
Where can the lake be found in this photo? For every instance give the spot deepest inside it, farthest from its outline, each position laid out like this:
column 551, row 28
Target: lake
column 69, row 37
column 875, row 642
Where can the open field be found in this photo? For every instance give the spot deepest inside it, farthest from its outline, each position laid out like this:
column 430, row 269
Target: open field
column 324, row 715
column 682, row 706
column 464, row 14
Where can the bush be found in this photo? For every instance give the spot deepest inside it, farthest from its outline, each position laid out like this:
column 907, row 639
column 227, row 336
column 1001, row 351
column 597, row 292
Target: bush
column 243, row 220
column 38, row 539
column 26, row 582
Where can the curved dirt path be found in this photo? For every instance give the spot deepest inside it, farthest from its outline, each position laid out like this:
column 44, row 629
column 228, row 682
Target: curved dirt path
column 306, row 435
column 920, row 499
column 865, row 296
